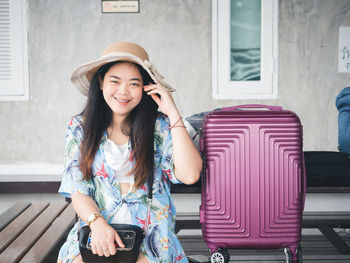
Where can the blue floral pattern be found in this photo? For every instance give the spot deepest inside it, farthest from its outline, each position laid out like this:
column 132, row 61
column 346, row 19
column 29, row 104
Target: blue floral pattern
column 160, row 244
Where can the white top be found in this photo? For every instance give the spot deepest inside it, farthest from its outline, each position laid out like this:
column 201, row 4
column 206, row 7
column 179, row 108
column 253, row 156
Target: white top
column 123, row 215
column 118, row 158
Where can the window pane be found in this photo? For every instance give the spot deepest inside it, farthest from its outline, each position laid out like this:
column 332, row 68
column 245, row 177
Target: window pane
column 245, row 40
column 13, row 50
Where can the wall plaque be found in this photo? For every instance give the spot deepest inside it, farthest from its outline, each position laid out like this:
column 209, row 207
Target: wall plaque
column 344, row 50
column 120, row 6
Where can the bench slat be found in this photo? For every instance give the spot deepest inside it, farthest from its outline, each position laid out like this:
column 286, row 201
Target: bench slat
column 51, row 237
column 328, row 218
column 15, row 251
column 16, row 227
column 11, row 213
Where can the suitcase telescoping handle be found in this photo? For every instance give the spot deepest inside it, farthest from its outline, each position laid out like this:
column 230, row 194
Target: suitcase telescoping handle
column 252, row 106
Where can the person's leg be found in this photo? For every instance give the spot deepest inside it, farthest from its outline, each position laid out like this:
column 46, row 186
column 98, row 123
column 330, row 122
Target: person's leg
column 142, row 259
column 78, row 259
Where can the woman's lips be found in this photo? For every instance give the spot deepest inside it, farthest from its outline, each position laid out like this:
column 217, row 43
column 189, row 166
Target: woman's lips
column 122, row 101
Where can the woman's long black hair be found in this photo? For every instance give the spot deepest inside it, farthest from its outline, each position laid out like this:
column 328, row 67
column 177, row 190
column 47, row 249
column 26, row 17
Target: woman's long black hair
column 138, row 125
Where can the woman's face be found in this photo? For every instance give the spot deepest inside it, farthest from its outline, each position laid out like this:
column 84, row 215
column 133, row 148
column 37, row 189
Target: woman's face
column 122, row 88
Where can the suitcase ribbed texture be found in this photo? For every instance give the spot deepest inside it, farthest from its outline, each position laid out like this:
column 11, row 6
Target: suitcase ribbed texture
column 252, row 193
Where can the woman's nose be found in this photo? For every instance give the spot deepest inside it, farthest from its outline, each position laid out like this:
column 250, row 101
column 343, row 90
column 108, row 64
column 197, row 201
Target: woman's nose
column 123, row 88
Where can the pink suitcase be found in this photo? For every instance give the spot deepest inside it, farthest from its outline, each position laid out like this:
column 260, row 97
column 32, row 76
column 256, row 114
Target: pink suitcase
column 253, row 187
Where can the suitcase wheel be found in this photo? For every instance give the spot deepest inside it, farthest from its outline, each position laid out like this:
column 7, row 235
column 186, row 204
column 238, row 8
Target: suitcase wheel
column 289, row 257
column 288, row 254
column 220, row 256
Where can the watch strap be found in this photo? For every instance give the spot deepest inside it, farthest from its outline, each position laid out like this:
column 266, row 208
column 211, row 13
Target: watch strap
column 93, row 217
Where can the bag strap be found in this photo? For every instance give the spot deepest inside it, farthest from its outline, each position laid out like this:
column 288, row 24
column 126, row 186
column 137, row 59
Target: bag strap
column 149, row 201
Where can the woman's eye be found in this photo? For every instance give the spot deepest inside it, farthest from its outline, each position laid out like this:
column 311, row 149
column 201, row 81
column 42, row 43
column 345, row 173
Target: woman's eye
column 135, row 84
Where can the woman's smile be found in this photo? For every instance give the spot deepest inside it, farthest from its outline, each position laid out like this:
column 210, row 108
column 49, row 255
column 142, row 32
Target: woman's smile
column 122, row 101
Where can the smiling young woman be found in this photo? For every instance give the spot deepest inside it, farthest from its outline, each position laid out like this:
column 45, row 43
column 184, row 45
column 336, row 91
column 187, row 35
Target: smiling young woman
column 130, row 130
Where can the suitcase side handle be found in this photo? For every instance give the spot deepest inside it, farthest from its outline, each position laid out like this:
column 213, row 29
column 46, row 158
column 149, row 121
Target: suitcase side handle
column 252, row 106
column 304, row 182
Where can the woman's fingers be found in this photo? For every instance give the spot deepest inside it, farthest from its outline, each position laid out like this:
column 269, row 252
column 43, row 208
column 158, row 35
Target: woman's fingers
column 104, row 248
column 112, row 249
column 151, row 89
column 156, row 92
column 162, row 97
column 100, row 251
column 104, row 239
column 155, row 98
column 118, row 240
column 93, row 249
column 106, row 252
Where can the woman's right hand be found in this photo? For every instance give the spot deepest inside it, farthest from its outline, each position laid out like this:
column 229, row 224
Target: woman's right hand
column 104, row 238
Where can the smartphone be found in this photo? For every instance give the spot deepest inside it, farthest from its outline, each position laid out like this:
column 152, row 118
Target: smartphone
column 127, row 236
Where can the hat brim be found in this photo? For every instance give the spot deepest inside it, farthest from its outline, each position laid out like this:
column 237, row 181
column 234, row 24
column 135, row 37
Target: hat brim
column 82, row 75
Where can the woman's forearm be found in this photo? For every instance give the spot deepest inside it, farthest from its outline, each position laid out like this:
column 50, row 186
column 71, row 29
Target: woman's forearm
column 84, row 205
column 187, row 160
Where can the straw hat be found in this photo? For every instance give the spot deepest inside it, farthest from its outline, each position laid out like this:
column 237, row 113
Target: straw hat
column 121, row 51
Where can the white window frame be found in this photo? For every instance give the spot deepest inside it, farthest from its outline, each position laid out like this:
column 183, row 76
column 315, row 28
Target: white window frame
column 222, row 86
column 16, row 88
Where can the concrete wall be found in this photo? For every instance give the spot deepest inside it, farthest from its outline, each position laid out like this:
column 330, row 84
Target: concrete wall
column 177, row 35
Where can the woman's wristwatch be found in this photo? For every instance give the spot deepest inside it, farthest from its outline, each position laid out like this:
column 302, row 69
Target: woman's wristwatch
column 91, row 218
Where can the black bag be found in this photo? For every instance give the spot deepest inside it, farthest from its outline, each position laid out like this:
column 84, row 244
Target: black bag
column 327, row 169
column 131, row 235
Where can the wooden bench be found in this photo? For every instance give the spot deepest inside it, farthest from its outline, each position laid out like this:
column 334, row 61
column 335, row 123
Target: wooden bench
column 30, row 231
column 326, row 222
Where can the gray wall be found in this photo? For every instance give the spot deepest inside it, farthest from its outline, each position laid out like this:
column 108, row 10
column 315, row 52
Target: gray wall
column 177, row 36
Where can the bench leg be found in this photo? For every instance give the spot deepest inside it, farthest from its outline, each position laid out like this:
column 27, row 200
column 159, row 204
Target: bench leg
column 335, row 239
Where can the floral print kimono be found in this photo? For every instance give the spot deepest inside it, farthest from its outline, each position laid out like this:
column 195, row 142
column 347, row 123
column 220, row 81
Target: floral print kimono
column 160, row 243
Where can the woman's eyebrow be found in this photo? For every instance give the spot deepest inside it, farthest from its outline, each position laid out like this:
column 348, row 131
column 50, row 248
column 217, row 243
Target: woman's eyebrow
column 135, row 79
column 116, row 77
column 113, row 76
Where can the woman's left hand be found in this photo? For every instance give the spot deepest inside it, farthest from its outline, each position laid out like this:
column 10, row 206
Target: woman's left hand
column 187, row 160
column 162, row 97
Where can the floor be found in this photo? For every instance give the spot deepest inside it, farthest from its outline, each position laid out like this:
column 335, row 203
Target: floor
column 315, row 249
